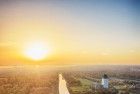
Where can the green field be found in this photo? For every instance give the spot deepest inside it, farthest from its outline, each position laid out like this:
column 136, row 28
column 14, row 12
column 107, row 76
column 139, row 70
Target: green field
column 84, row 87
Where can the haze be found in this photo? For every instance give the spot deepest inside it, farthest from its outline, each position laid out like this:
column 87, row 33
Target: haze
column 74, row 31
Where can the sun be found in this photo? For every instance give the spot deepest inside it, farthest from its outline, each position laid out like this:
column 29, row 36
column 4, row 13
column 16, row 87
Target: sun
column 36, row 51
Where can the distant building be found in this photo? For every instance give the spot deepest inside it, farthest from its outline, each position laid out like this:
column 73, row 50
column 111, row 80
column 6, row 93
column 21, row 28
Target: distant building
column 105, row 81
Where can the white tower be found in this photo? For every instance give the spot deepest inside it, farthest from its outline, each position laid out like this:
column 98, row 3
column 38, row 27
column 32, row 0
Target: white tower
column 105, row 81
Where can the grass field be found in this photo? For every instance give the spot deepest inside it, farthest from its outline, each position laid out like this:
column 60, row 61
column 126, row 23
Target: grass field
column 84, row 87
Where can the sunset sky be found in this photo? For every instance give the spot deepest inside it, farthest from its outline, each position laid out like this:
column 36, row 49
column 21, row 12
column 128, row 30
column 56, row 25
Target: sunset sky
column 70, row 31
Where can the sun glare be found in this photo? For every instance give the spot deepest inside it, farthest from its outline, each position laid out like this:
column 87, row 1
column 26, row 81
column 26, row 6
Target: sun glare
column 36, row 51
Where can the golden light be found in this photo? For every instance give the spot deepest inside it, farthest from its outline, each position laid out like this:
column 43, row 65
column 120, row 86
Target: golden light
column 36, row 51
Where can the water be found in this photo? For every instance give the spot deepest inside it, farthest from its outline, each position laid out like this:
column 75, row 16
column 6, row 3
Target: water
column 62, row 85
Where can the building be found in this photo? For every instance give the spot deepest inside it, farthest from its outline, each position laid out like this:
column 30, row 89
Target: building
column 105, row 81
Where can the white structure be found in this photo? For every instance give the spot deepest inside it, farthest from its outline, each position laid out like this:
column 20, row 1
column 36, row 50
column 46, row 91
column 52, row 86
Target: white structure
column 62, row 85
column 105, row 81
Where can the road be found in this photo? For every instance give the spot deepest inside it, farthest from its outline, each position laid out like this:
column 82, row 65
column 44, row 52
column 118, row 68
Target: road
column 62, row 85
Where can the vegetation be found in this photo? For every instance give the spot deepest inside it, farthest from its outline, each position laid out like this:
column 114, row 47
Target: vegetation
column 122, row 80
column 80, row 80
column 28, row 82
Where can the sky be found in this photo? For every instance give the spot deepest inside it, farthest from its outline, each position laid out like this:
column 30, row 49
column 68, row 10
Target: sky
column 73, row 31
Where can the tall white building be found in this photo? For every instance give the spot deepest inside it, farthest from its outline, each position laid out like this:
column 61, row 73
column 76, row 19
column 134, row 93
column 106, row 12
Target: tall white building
column 105, row 81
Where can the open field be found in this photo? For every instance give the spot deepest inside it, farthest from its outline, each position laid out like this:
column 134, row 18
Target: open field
column 122, row 79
